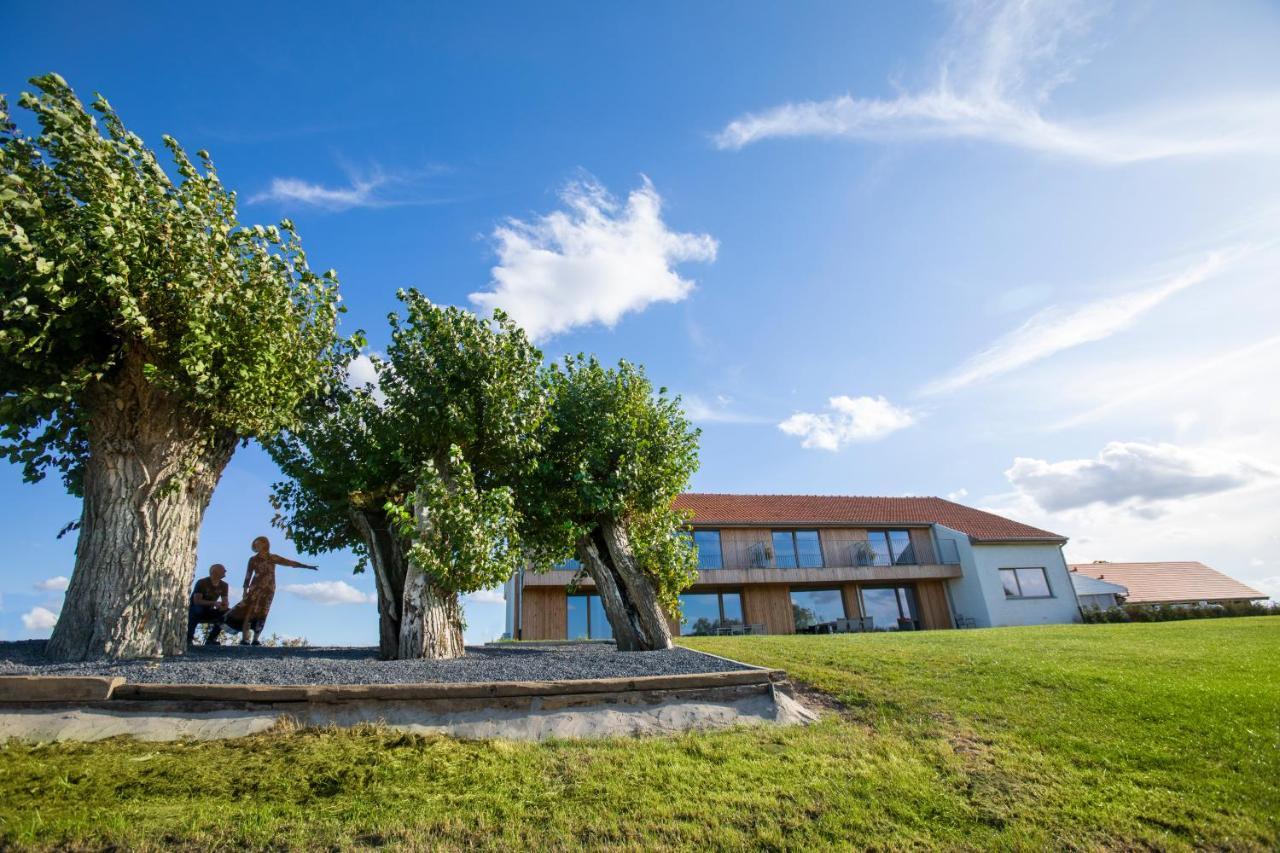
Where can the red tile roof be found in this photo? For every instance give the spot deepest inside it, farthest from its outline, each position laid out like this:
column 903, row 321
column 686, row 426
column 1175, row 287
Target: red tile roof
column 857, row 511
column 1169, row 583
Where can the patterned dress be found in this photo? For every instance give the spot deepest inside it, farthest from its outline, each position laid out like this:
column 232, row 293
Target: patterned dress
column 258, row 597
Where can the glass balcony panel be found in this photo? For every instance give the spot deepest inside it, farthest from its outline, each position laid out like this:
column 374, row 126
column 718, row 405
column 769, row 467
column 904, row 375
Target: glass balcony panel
column 808, row 549
column 784, row 549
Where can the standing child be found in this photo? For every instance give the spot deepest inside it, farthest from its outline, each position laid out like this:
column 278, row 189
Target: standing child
column 260, row 588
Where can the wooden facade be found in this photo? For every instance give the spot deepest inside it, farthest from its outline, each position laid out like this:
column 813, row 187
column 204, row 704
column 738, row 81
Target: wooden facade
column 766, row 591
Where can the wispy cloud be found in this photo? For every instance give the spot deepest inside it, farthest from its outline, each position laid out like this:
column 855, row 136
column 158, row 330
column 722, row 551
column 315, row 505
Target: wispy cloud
column 593, row 262
column 849, row 419
column 58, row 583
column 1056, row 329
column 485, row 596
column 1134, row 475
column 1001, row 62
column 355, row 194
column 330, row 592
column 376, row 187
column 718, row 410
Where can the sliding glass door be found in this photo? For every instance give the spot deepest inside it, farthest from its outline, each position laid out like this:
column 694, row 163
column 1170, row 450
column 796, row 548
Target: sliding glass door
column 890, row 608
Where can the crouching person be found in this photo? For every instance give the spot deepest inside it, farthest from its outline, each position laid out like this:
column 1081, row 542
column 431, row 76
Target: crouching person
column 208, row 604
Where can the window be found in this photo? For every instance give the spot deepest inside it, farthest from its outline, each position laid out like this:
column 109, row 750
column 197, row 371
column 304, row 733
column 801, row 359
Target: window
column 705, row 613
column 571, row 564
column 1025, row 583
column 708, row 544
column 797, row 549
column 813, row 609
column 890, row 608
column 586, row 619
column 887, row 548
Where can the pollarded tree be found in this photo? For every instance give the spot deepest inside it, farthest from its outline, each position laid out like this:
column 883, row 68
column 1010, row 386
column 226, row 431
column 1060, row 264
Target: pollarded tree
column 416, row 475
column 613, row 456
column 144, row 333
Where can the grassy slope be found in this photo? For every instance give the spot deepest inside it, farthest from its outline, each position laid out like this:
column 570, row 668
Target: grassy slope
column 1107, row 735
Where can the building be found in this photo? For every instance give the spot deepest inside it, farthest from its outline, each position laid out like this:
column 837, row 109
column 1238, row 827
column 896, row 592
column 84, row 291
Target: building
column 1097, row 594
column 783, row 564
column 1170, row 583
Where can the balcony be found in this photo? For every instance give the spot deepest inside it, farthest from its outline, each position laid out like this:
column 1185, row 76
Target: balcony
column 834, row 560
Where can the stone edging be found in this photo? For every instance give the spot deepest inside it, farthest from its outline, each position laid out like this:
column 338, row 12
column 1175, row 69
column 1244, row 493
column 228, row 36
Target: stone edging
column 36, row 688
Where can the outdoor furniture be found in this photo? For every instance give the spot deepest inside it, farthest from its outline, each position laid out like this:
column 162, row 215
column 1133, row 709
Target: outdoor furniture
column 965, row 622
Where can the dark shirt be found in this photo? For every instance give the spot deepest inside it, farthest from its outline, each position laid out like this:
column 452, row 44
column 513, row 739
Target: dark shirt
column 210, row 591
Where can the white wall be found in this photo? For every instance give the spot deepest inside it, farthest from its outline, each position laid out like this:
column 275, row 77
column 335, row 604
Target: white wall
column 979, row 594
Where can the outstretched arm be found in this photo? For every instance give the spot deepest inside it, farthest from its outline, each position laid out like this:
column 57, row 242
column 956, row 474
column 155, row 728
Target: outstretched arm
column 285, row 561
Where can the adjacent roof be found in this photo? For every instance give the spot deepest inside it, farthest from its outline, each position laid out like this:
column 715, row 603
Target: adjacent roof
column 1169, row 583
column 1086, row 585
column 857, row 511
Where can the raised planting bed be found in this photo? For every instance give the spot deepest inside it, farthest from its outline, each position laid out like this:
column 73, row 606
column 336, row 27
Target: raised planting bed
column 506, row 690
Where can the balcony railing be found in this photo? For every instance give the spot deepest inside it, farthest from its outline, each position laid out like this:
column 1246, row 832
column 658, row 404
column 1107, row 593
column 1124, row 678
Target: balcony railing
column 839, row 553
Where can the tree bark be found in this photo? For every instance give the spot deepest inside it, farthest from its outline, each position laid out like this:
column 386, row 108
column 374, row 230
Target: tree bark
column 150, row 473
column 628, row 595
column 431, row 624
column 388, row 554
column 430, row 616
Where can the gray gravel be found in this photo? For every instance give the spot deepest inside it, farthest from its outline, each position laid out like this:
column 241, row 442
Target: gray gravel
column 348, row 665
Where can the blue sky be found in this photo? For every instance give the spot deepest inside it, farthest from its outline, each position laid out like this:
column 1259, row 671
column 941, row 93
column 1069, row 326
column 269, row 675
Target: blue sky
column 1019, row 254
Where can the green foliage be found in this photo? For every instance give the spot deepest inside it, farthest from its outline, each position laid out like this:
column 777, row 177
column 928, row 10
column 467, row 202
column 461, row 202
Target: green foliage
column 612, row 447
column 453, row 421
column 472, row 541
column 1177, row 612
column 107, row 263
column 343, row 456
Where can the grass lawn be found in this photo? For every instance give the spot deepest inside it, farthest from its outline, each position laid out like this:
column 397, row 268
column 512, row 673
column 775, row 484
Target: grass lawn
column 1142, row 735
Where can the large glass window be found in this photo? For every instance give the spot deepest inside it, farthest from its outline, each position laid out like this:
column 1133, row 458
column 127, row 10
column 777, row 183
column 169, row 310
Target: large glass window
column 708, row 544
column 572, row 564
column 586, row 618
column 890, row 608
column 815, row 609
column 794, row 549
column 886, row 548
column 1025, row 583
column 578, row 629
column 704, row 613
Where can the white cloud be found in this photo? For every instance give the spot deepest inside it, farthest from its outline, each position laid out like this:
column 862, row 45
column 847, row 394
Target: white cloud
column 850, row 419
column 330, row 592
column 485, row 596
column 361, row 372
column 591, row 263
column 39, row 619
column 58, row 583
column 1056, row 329
column 1139, row 477
column 1001, row 62
column 958, row 495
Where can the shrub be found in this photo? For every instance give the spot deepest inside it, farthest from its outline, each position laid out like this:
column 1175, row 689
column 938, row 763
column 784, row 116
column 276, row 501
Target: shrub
column 1177, row 612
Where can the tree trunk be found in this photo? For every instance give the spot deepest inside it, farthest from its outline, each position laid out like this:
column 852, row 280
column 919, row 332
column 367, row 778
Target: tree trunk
column 629, row 597
column 430, row 617
column 387, row 553
column 431, row 621
column 150, row 473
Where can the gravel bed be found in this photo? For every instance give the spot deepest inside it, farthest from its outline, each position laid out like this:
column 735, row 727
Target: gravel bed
column 350, row 665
